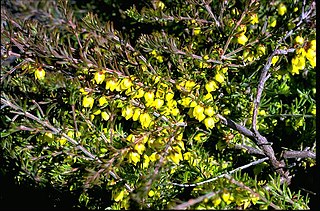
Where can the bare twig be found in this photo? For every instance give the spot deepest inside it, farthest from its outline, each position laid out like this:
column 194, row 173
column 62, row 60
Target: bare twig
column 224, row 174
column 196, row 200
column 208, row 8
column 298, row 154
column 58, row 131
column 251, row 191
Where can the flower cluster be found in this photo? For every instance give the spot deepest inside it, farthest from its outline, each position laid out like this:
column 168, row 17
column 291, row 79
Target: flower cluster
column 298, row 62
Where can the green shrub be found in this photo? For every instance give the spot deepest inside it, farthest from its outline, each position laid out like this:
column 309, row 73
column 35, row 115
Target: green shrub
column 213, row 109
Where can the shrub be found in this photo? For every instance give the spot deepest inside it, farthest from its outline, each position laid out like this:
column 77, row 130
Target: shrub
column 213, row 109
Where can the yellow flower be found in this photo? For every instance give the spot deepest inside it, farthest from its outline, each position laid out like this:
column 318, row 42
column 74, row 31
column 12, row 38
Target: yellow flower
column 169, row 96
column 254, row 18
column 149, row 98
column 313, row 45
column 187, row 156
column 199, row 137
column 211, row 86
column 105, row 116
column 196, row 30
column 130, row 138
column 87, row 102
column 209, row 122
column 216, row 201
column 139, row 94
column 146, row 161
column 140, row 148
column 97, row 112
column 82, row 90
column 205, row 57
column 127, row 112
column 159, row 58
column 242, row 39
column 111, row 84
column 125, row 84
column 299, row 40
column 154, row 156
column 247, row 55
column 161, row 5
column 209, row 111
column 103, row 100
column 262, row 112
column 198, row 113
column 311, row 56
column 99, row 77
column 219, row 77
column 136, row 114
column 157, row 103
column 176, row 157
column 189, row 85
column 185, row 101
column 282, row 9
column 145, row 120
column 273, row 21
column 274, row 60
column 261, row 50
column 39, row 74
column 118, row 196
column 151, row 193
column 208, row 98
column 134, row 157
column 226, row 197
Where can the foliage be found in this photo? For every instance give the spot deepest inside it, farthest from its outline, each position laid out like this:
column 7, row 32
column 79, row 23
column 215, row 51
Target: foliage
column 207, row 106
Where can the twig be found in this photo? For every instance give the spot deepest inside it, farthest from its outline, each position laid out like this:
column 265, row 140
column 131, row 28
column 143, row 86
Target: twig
column 208, row 8
column 298, row 154
column 223, row 175
column 196, row 200
column 58, row 131
column 251, row 191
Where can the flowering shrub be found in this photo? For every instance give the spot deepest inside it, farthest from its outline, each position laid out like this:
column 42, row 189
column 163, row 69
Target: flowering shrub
column 215, row 104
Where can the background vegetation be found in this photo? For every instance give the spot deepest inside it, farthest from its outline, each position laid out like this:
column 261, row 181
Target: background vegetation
column 158, row 104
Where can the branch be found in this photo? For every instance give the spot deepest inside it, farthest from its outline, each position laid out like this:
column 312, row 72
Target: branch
column 222, row 175
column 196, row 200
column 240, row 184
column 298, row 154
column 208, row 8
column 55, row 130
